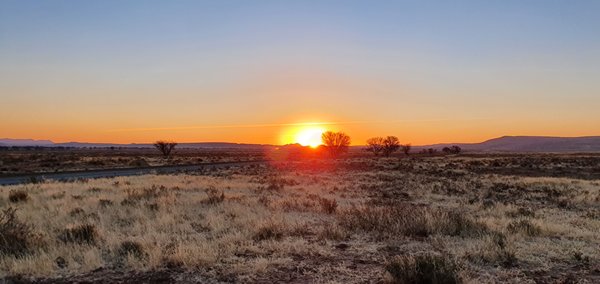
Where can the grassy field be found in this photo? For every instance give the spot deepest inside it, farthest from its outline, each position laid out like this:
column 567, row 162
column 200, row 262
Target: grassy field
column 453, row 219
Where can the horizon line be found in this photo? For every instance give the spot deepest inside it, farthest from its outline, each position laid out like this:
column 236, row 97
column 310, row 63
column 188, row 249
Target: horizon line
column 269, row 144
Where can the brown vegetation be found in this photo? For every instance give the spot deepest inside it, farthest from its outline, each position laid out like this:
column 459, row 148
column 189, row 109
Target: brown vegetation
column 422, row 219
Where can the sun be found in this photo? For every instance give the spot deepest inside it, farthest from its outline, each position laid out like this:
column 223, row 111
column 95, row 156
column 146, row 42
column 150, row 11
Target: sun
column 309, row 136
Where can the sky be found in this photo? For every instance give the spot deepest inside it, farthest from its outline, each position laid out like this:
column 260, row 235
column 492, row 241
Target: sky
column 257, row 71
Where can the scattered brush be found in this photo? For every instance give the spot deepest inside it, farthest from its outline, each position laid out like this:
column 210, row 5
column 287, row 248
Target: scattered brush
column 434, row 269
column 409, row 220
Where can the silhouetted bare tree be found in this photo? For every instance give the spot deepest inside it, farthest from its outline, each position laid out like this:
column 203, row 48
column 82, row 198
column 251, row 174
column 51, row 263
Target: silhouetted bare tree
column 335, row 143
column 406, row 149
column 165, row 147
column 391, row 144
column 375, row 145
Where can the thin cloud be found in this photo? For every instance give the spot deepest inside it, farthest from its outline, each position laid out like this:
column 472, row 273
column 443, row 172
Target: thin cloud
column 279, row 125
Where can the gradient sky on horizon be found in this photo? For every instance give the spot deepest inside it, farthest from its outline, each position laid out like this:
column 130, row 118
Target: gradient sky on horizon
column 242, row 71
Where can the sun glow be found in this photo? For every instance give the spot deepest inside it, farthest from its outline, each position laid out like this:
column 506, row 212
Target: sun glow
column 309, row 136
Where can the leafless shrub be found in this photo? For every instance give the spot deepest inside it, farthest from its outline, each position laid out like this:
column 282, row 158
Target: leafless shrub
column 406, row 149
column 336, row 143
column 375, row 145
column 391, row 144
column 165, row 147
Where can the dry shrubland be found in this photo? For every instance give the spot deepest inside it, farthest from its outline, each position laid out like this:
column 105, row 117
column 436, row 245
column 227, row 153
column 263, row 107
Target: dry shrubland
column 408, row 220
column 20, row 161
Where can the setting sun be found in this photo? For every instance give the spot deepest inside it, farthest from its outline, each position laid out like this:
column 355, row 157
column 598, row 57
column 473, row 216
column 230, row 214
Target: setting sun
column 309, row 136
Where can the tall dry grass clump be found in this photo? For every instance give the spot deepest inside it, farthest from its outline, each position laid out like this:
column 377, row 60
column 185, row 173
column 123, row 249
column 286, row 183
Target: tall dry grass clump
column 80, row 234
column 15, row 196
column 410, row 221
column 16, row 238
column 428, row 268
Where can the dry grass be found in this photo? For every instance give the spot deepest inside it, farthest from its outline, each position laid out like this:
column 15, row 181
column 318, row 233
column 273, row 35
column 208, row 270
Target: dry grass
column 428, row 220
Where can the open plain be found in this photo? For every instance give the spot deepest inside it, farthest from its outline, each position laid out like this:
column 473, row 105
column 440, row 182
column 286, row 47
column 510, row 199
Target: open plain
column 453, row 218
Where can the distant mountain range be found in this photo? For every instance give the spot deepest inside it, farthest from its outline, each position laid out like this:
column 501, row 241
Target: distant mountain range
column 501, row 144
column 528, row 144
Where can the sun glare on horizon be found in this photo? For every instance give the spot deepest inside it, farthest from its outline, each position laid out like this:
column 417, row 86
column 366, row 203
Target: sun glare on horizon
column 309, row 136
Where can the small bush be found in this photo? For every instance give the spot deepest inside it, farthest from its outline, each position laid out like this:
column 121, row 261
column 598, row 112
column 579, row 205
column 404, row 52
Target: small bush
column 15, row 196
column 16, row 238
column 423, row 269
column 105, row 202
column 524, row 226
column 35, row 180
column 580, row 258
column 328, row 206
column 269, row 230
column 82, row 234
column 214, row 195
column 76, row 211
column 129, row 202
column 332, row 232
column 153, row 206
column 77, row 197
column 132, row 248
column 61, row 262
